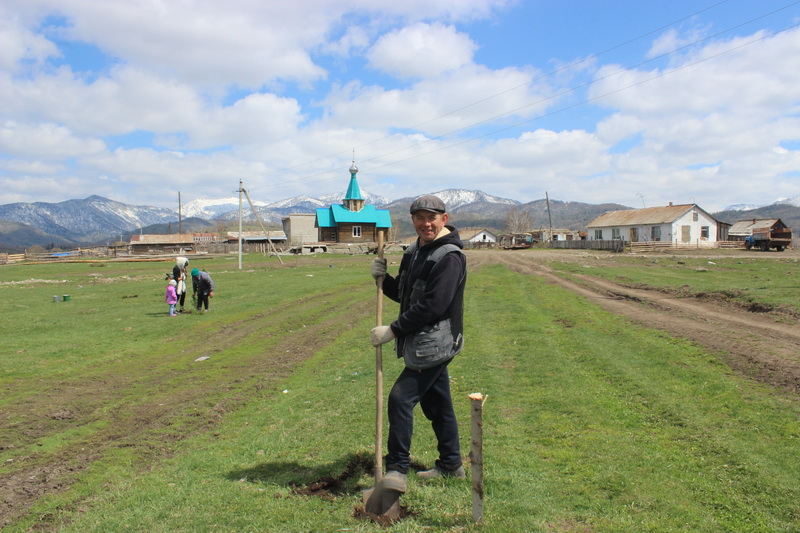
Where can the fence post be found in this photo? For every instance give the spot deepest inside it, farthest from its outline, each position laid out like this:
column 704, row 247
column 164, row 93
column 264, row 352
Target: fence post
column 476, row 455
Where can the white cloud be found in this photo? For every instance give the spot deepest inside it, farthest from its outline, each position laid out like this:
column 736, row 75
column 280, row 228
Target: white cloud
column 421, row 51
column 45, row 142
column 453, row 101
column 279, row 93
column 17, row 44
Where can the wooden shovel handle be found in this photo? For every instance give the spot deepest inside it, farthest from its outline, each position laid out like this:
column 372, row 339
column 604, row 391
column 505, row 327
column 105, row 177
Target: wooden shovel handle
column 379, row 377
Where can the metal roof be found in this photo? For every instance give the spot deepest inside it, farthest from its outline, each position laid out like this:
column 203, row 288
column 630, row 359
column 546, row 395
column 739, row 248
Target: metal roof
column 353, row 190
column 175, row 238
column 746, row 227
column 467, row 234
column 338, row 214
column 646, row 216
column 257, row 235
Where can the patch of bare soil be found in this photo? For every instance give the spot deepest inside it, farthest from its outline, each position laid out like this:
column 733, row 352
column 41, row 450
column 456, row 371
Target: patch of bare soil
column 759, row 343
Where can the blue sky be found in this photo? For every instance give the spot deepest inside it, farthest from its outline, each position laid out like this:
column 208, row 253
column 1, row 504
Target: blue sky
column 628, row 101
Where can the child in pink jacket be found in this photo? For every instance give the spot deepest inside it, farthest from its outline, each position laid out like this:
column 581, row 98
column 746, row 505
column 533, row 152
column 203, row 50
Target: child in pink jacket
column 172, row 296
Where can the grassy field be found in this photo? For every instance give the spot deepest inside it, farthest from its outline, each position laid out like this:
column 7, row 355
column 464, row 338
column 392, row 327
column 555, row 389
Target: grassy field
column 590, row 424
column 769, row 283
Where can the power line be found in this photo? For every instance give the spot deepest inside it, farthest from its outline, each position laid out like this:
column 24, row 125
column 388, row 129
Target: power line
column 506, row 91
column 588, row 100
column 557, row 95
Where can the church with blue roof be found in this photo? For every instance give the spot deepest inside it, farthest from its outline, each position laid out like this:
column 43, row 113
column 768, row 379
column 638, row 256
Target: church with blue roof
column 352, row 221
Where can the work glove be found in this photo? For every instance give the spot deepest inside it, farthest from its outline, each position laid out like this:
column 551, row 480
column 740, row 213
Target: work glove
column 381, row 335
column 378, row 269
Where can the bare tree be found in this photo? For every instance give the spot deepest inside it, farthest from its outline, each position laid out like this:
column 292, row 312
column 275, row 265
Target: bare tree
column 519, row 221
column 393, row 233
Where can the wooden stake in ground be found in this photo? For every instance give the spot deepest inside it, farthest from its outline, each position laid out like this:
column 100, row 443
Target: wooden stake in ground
column 476, row 455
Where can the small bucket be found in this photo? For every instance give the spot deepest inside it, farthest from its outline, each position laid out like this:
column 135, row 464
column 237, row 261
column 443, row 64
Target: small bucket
column 66, row 297
column 56, row 299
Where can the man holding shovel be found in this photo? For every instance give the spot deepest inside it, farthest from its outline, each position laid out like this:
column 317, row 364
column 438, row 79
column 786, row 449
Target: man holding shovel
column 428, row 333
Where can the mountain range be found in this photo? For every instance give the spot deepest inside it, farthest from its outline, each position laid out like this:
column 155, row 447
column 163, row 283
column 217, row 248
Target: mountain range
column 98, row 220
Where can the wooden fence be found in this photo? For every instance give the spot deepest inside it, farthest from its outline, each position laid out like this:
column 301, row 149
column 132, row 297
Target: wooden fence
column 613, row 245
column 654, row 246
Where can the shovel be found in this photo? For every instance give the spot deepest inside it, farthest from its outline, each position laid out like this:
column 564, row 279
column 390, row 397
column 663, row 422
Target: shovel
column 379, row 500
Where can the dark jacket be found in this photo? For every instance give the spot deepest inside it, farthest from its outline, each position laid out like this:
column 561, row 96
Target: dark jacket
column 444, row 291
column 202, row 283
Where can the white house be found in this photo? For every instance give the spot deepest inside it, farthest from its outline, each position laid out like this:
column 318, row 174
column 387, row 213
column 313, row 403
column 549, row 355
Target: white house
column 477, row 236
column 679, row 224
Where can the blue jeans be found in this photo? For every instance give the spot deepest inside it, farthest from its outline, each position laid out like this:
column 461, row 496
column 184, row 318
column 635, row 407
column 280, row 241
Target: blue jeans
column 171, row 309
column 431, row 389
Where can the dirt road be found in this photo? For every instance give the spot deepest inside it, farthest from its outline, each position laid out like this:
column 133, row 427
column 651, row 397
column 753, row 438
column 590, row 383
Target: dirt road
column 758, row 344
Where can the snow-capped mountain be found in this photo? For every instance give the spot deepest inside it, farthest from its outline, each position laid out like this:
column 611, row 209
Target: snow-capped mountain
column 456, row 199
column 276, row 211
column 780, row 201
column 93, row 218
column 741, row 207
column 369, row 198
column 211, row 209
column 788, row 201
column 97, row 219
column 461, row 200
column 297, row 200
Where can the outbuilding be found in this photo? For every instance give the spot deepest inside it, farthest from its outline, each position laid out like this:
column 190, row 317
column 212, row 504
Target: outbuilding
column 742, row 229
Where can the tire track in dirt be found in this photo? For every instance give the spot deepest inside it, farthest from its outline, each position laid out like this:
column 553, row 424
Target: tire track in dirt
column 759, row 346
column 289, row 340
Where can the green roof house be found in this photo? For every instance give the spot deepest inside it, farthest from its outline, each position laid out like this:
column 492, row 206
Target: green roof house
column 352, row 221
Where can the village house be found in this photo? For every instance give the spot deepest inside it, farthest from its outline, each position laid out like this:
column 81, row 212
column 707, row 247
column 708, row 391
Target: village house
column 352, row 221
column 175, row 243
column 257, row 240
column 546, row 235
column 677, row 224
column 477, row 238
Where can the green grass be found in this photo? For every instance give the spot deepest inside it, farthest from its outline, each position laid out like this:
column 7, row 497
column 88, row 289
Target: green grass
column 768, row 282
column 591, row 424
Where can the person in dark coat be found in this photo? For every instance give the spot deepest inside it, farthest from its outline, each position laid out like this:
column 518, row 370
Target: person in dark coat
column 428, row 333
column 202, row 288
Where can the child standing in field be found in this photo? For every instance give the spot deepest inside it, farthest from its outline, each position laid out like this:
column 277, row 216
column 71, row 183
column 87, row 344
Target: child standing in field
column 171, row 296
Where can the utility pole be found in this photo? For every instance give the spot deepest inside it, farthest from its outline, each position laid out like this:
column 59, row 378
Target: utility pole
column 240, row 224
column 549, row 218
column 180, row 218
column 255, row 214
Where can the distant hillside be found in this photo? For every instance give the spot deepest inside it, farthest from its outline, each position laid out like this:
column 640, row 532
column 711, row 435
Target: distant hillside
column 471, row 209
column 568, row 215
column 97, row 220
column 15, row 237
column 92, row 219
column 790, row 214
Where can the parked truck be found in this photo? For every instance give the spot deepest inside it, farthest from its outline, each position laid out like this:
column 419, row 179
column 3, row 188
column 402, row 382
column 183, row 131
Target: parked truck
column 764, row 239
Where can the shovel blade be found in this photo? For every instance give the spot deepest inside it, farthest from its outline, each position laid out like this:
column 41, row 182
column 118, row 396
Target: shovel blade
column 382, row 502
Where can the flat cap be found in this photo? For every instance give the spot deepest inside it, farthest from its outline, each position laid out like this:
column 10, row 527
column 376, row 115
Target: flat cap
column 428, row 202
